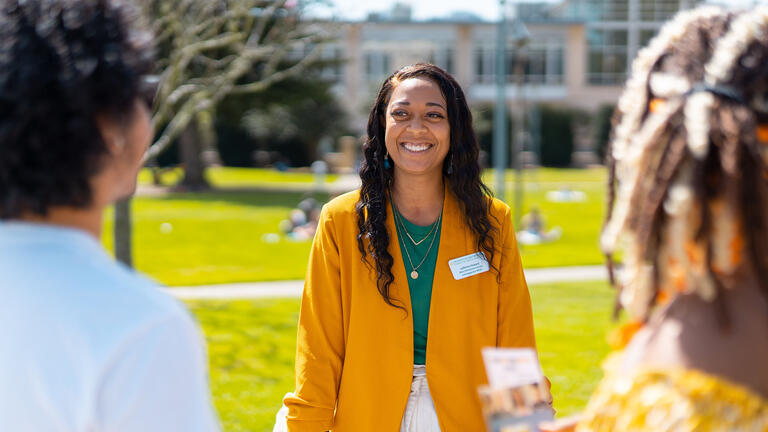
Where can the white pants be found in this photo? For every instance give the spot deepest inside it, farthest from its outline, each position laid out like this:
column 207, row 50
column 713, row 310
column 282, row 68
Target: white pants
column 420, row 413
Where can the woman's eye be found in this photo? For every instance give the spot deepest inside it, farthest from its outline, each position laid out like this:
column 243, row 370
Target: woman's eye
column 399, row 113
column 435, row 115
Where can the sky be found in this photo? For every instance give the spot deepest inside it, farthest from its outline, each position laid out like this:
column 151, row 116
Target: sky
column 427, row 9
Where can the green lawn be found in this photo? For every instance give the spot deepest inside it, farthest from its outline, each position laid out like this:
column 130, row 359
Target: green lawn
column 580, row 221
column 219, row 237
column 252, row 346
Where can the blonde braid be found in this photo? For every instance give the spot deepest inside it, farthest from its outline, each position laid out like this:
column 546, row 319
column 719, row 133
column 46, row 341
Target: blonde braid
column 627, row 150
column 641, row 146
column 745, row 29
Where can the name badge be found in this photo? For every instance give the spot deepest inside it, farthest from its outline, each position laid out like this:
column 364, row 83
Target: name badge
column 468, row 265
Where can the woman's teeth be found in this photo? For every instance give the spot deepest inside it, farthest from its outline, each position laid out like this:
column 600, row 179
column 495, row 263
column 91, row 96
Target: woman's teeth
column 416, row 147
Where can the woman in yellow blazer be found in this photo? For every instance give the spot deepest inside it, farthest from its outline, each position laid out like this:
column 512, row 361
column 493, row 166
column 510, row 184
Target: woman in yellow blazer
column 391, row 329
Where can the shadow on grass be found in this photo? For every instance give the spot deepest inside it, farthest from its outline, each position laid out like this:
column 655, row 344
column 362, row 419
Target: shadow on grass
column 246, row 196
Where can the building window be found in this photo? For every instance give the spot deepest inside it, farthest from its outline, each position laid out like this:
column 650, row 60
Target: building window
column 542, row 64
column 442, row 57
column 598, row 10
column 615, row 10
column 618, row 10
column 607, row 56
column 658, row 10
column 332, row 62
column 485, row 64
column 556, row 65
column 646, row 35
column 377, row 65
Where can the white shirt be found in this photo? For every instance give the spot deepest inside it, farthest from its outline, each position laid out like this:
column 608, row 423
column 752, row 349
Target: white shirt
column 87, row 345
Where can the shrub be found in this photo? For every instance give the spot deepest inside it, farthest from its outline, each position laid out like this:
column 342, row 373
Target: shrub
column 235, row 145
column 556, row 126
column 482, row 122
column 602, row 129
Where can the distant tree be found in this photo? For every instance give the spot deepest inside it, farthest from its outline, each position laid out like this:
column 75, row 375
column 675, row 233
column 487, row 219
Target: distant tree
column 300, row 111
column 213, row 49
column 208, row 50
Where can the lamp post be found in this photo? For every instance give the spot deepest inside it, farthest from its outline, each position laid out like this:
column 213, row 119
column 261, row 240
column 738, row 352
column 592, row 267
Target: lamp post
column 500, row 141
column 520, row 36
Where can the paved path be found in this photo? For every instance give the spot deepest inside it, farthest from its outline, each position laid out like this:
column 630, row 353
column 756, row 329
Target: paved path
column 293, row 288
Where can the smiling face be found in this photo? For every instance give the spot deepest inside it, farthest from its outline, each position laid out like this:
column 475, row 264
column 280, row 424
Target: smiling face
column 418, row 135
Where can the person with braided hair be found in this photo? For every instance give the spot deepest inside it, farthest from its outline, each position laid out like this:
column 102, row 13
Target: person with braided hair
column 409, row 277
column 688, row 206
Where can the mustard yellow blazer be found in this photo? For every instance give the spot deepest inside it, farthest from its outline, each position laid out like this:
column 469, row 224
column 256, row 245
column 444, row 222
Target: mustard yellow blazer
column 354, row 360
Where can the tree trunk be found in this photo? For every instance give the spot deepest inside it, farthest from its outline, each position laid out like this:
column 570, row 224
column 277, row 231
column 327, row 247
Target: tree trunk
column 122, row 232
column 191, row 148
column 207, row 134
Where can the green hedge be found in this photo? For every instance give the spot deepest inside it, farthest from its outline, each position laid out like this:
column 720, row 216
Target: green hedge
column 602, row 129
column 556, row 136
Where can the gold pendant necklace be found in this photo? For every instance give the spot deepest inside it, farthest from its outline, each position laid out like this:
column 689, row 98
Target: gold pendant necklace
column 415, row 271
column 415, row 243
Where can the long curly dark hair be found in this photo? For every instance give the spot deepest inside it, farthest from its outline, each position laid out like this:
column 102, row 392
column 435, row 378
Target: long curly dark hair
column 465, row 183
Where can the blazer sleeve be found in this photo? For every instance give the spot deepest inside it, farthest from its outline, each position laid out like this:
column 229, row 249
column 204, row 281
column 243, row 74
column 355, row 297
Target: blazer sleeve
column 515, row 317
column 320, row 349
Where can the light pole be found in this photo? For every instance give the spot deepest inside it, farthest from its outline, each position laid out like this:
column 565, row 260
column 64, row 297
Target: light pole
column 520, row 36
column 500, row 141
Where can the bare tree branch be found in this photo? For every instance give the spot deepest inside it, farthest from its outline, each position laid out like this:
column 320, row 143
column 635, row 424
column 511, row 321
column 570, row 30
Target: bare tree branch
column 267, row 16
column 294, row 70
column 212, row 45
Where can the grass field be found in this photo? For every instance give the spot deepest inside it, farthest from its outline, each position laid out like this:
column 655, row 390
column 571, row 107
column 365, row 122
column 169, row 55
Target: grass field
column 580, row 221
column 219, row 237
column 252, row 346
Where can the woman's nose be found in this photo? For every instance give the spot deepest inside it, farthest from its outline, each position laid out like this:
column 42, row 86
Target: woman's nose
column 417, row 125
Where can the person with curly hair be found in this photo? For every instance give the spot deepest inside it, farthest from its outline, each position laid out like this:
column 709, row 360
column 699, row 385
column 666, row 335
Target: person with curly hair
column 87, row 345
column 688, row 206
column 410, row 276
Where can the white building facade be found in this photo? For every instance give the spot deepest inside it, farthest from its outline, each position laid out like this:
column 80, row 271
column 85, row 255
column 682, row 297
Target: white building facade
column 577, row 55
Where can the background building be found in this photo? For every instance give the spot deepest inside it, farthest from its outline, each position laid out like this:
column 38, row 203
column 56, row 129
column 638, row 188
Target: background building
column 577, row 55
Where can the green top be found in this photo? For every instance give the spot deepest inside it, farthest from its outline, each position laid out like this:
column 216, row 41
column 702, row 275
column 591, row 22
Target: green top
column 421, row 287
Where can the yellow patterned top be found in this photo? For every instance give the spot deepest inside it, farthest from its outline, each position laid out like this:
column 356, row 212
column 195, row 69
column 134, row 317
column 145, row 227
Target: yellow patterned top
column 671, row 400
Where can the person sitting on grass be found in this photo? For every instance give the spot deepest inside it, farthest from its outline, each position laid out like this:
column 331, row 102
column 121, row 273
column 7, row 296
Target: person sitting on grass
column 87, row 345
column 689, row 204
column 302, row 221
column 534, row 229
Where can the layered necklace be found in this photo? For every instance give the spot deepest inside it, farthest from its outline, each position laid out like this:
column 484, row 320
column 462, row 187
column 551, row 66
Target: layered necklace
column 400, row 224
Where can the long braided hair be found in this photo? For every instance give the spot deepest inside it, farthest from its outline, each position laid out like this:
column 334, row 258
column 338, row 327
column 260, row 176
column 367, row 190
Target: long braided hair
column 465, row 183
column 688, row 183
